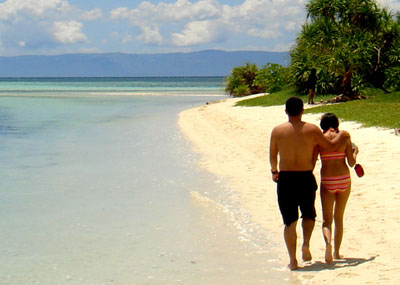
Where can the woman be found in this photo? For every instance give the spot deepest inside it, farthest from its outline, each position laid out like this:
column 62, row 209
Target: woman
column 335, row 184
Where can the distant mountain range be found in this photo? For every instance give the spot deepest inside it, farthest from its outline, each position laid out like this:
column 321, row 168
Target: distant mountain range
column 202, row 63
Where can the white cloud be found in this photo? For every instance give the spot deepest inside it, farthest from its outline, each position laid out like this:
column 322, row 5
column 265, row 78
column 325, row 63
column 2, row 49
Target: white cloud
column 150, row 17
column 38, row 8
column 185, row 23
column 265, row 33
column 92, row 15
column 263, row 18
column 41, row 25
column 178, row 11
column 68, row 32
column 150, row 35
column 120, row 13
column 198, row 32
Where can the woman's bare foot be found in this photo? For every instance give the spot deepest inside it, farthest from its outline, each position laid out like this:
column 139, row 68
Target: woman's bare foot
column 306, row 253
column 328, row 254
column 336, row 255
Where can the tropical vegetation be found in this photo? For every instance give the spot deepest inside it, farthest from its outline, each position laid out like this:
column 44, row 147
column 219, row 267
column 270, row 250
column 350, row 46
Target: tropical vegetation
column 353, row 45
column 241, row 81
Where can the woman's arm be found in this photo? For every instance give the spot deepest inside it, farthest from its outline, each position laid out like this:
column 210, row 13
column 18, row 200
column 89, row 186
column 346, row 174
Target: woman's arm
column 350, row 154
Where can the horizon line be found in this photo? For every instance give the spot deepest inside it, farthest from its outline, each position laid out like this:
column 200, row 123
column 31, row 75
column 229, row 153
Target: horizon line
column 127, row 53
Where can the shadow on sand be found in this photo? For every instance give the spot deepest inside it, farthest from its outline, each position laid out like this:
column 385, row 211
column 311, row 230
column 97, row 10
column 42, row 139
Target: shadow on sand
column 340, row 263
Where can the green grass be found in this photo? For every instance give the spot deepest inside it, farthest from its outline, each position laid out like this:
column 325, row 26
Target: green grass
column 273, row 99
column 278, row 98
column 379, row 109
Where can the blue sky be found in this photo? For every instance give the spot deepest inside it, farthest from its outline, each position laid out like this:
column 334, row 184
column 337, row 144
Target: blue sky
column 153, row 26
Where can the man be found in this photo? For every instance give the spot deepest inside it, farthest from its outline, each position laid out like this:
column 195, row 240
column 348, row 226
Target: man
column 295, row 142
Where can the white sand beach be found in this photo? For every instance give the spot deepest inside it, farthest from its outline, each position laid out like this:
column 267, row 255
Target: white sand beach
column 234, row 143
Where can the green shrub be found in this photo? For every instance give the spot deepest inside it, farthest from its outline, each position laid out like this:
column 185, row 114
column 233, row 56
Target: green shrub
column 242, row 90
column 241, row 77
column 272, row 77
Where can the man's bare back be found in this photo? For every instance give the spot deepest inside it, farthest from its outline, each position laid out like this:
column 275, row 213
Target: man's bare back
column 295, row 142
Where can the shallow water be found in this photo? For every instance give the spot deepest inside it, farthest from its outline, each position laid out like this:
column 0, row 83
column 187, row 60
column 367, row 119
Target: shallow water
column 111, row 85
column 105, row 190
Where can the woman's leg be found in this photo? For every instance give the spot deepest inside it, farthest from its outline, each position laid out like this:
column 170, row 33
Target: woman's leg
column 340, row 206
column 327, row 201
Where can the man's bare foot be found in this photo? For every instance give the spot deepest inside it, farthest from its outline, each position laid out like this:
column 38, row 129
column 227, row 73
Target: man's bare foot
column 336, row 255
column 306, row 253
column 293, row 265
column 328, row 254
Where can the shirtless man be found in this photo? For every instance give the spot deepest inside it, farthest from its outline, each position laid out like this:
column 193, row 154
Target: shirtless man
column 295, row 142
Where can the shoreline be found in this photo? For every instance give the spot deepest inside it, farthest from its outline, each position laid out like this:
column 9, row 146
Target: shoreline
column 111, row 94
column 233, row 143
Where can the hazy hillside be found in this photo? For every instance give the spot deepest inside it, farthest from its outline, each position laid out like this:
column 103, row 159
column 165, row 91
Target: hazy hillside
column 203, row 63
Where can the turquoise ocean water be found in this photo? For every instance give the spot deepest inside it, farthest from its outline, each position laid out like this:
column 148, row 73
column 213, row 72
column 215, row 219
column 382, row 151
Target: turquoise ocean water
column 102, row 188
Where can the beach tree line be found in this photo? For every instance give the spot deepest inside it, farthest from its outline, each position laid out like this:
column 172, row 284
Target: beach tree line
column 352, row 44
column 249, row 79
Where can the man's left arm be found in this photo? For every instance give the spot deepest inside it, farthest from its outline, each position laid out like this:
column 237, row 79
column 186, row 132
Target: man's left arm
column 273, row 157
column 330, row 144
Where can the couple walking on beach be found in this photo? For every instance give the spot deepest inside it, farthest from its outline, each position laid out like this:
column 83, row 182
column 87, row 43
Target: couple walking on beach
column 298, row 144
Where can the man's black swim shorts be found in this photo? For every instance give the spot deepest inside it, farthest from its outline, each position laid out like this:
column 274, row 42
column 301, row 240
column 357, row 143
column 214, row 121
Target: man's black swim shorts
column 296, row 189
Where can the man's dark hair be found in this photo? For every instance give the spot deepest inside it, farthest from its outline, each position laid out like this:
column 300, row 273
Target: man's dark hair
column 328, row 121
column 294, row 106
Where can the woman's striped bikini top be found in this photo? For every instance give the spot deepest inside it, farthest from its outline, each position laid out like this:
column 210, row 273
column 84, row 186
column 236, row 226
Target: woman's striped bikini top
column 332, row 155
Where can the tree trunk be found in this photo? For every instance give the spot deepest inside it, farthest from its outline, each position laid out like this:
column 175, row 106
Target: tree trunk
column 346, row 84
column 348, row 93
